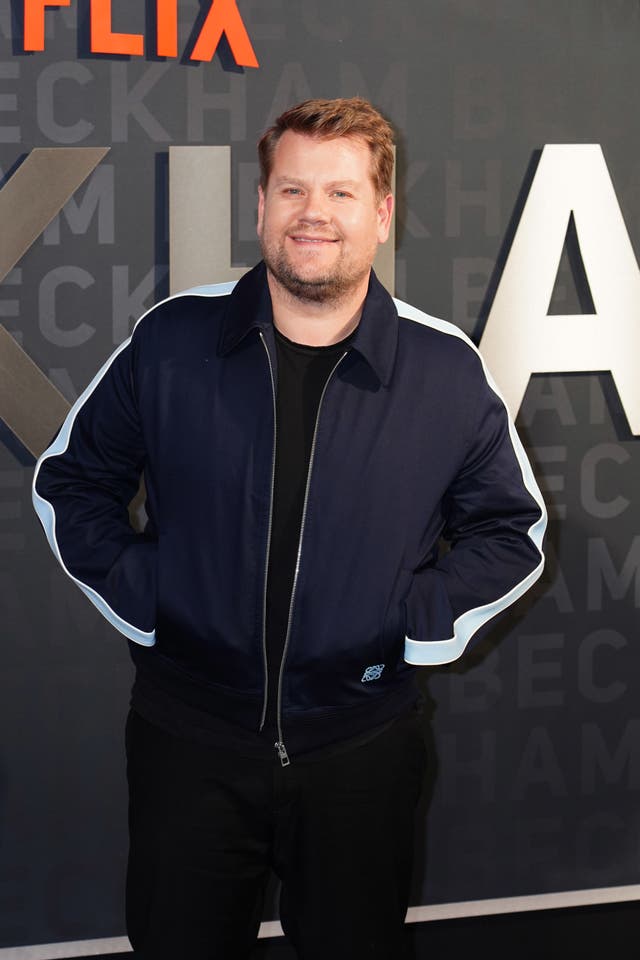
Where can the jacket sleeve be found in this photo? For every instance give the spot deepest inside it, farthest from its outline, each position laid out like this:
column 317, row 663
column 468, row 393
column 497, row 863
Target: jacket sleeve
column 495, row 521
column 82, row 486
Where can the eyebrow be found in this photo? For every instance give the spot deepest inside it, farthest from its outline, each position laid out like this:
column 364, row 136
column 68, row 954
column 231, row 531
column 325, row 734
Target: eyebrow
column 280, row 180
column 302, row 183
column 343, row 183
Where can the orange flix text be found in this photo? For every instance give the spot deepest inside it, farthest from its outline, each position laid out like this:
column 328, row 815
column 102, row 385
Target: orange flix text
column 223, row 17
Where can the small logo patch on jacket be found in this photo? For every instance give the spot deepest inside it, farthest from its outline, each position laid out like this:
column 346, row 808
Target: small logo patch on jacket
column 372, row 673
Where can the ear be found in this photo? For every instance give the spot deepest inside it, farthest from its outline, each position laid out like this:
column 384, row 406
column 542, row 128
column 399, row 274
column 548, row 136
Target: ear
column 385, row 213
column 260, row 210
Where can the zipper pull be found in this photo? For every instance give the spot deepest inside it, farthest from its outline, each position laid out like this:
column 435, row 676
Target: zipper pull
column 282, row 753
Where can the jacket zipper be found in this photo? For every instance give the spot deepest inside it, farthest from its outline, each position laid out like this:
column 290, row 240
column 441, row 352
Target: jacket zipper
column 266, row 562
column 280, row 748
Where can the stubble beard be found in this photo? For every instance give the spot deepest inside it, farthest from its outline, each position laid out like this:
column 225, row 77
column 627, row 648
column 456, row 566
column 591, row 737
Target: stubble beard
column 328, row 288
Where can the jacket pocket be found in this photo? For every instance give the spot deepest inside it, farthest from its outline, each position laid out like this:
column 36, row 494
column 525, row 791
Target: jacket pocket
column 130, row 585
column 394, row 623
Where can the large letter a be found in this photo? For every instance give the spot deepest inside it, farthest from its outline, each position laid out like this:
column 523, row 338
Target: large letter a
column 520, row 338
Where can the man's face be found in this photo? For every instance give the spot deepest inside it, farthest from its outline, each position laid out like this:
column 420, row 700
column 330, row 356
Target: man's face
column 319, row 219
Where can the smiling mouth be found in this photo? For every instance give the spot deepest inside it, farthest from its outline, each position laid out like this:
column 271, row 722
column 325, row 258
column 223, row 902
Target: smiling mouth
column 302, row 239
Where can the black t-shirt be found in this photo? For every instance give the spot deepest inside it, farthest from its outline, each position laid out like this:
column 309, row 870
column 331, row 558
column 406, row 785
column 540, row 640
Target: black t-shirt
column 303, row 372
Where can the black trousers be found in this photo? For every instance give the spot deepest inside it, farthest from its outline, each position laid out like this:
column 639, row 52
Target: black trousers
column 206, row 827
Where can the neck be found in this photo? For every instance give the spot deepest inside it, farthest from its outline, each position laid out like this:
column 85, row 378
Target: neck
column 316, row 324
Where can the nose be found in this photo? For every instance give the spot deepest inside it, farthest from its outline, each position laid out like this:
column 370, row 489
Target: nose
column 314, row 209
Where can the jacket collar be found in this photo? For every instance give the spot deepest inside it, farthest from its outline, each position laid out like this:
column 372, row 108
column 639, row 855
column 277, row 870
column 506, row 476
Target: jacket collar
column 375, row 338
column 248, row 308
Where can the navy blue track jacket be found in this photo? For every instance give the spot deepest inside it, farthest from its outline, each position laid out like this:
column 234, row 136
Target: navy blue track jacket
column 412, row 443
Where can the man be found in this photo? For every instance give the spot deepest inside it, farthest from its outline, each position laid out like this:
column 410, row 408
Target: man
column 305, row 443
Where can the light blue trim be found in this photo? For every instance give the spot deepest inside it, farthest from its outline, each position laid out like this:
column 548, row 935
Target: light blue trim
column 206, row 290
column 44, row 508
column 423, row 653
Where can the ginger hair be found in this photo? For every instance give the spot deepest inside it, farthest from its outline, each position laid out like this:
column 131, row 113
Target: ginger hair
column 351, row 117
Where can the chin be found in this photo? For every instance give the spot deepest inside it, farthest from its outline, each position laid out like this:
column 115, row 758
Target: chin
column 320, row 290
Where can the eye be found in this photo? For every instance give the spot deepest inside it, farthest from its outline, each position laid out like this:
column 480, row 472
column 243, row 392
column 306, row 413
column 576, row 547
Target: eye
column 341, row 194
column 292, row 191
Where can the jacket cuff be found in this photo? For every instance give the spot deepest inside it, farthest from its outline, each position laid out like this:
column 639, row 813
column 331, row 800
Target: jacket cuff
column 426, row 653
